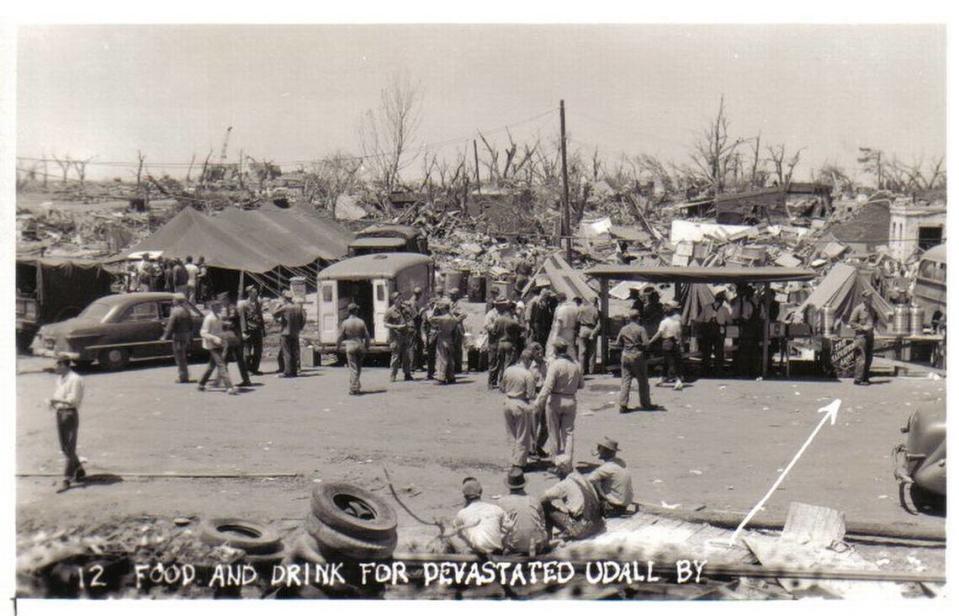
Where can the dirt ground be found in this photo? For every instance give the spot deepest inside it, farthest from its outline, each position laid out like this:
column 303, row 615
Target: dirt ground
column 716, row 445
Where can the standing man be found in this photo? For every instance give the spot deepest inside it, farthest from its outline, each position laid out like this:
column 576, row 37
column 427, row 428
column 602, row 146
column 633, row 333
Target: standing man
column 191, row 273
column 202, row 280
column 586, row 337
column 863, row 321
column 292, row 319
column 612, row 481
column 253, row 328
column 355, row 336
column 429, row 334
column 507, row 333
column 565, row 321
column 528, row 533
column 540, row 432
column 460, row 332
column 633, row 341
column 233, row 336
column 416, row 342
column 443, row 326
column 744, row 315
column 671, row 333
column 181, row 278
column 712, row 333
column 519, row 385
column 539, row 317
column 558, row 395
column 398, row 322
column 212, row 334
column 66, row 400
column 179, row 329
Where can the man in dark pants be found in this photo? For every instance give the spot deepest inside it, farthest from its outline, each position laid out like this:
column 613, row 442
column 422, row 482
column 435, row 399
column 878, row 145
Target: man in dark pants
column 746, row 317
column 632, row 339
column 586, row 336
column 179, row 329
column 508, row 333
column 671, row 333
column 400, row 324
column 355, row 338
column 416, row 341
column 233, row 335
column 253, row 327
column 66, row 401
column 712, row 323
column 863, row 321
column 291, row 318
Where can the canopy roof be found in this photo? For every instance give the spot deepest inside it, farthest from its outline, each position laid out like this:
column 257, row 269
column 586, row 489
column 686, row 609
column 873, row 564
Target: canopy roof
column 700, row 274
column 378, row 242
column 250, row 240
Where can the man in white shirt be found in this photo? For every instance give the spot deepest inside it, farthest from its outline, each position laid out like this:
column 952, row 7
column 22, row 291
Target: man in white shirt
column 66, row 401
column 712, row 333
column 671, row 333
column 565, row 322
column 212, row 334
column 480, row 526
column 191, row 273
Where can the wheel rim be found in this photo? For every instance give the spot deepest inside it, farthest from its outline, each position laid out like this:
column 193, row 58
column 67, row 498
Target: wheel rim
column 115, row 356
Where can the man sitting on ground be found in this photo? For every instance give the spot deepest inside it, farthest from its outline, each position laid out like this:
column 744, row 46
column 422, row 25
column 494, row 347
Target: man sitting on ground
column 528, row 534
column 480, row 526
column 611, row 480
column 571, row 505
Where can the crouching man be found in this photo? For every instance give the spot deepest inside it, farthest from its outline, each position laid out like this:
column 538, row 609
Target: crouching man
column 611, row 480
column 572, row 505
column 479, row 527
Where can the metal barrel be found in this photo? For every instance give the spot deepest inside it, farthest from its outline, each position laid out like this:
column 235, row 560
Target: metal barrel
column 900, row 320
column 917, row 317
column 828, row 319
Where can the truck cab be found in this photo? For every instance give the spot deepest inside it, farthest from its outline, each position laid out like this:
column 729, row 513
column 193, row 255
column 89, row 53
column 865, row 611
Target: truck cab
column 382, row 238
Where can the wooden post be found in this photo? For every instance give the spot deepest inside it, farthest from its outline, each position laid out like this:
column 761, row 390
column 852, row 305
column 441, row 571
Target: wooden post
column 766, row 329
column 604, row 322
column 239, row 291
column 566, row 220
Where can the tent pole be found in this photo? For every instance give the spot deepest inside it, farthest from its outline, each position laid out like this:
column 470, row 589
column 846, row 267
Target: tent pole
column 239, row 291
column 604, row 319
column 766, row 330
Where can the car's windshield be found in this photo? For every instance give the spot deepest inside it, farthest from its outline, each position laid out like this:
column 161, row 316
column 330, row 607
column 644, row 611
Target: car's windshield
column 97, row 310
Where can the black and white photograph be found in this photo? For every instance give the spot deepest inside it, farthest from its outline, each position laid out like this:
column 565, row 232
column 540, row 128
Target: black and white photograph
column 478, row 311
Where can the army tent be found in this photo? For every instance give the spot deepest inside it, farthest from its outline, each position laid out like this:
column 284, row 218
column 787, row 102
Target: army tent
column 842, row 290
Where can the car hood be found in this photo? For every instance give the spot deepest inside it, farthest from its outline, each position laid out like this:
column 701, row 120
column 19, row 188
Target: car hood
column 69, row 327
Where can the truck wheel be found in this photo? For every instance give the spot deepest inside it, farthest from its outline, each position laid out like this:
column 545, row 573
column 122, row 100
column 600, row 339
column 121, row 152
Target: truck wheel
column 240, row 535
column 353, row 511
column 924, row 500
column 114, row 359
column 340, row 544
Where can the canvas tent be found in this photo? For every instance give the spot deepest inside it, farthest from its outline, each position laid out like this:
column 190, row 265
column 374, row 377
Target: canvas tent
column 269, row 243
column 842, row 289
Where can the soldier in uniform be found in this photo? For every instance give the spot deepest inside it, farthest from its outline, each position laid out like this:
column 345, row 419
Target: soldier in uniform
column 355, row 337
column 397, row 320
column 863, row 321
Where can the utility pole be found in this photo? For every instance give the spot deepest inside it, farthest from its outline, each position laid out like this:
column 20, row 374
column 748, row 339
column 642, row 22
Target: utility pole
column 566, row 220
column 476, row 165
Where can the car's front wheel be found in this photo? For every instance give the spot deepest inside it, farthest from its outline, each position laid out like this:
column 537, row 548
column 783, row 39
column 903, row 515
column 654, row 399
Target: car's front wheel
column 114, row 359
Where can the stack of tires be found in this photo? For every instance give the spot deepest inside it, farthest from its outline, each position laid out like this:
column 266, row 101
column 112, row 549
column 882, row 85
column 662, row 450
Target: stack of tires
column 348, row 523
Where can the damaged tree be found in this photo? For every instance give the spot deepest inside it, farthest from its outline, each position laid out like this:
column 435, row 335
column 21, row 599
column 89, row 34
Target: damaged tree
column 387, row 132
column 783, row 167
column 715, row 153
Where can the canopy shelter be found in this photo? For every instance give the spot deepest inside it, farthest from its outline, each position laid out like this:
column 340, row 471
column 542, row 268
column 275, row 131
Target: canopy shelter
column 268, row 243
column 841, row 290
column 706, row 275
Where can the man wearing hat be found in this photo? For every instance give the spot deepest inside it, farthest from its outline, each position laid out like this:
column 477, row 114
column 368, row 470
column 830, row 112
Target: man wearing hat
column 563, row 379
column 713, row 319
column 253, row 327
column 528, row 533
column 179, row 329
column 863, row 321
column 611, row 480
column 400, row 325
column 571, row 506
column 443, row 328
column 66, row 400
column 291, row 318
column 233, row 335
column 506, row 335
column 480, row 526
column 355, row 337
column 417, row 311
column 539, row 316
column 747, row 318
column 632, row 339
column 671, row 333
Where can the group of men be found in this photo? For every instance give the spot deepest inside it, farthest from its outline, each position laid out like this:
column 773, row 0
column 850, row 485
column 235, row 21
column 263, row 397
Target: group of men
column 747, row 313
column 173, row 275
column 235, row 332
column 575, row 508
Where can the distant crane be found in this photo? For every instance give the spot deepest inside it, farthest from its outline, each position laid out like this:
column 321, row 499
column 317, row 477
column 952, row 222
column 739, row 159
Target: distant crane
column 226, row 140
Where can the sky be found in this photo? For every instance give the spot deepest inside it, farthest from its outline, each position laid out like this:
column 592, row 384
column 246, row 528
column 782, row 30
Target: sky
column 297, row 93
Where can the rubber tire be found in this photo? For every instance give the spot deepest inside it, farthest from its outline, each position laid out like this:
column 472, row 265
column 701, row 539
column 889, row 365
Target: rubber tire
column 923, row 500
column 118, row 362
column 271, row 557
column 351, row 547
column 307, row 548
column 266, row 542
column 382, row 526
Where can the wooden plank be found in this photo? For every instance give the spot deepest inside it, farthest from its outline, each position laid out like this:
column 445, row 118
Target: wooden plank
column 813, row 525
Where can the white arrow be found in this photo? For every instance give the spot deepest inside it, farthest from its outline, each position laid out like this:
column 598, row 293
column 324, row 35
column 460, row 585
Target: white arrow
column 831, row 411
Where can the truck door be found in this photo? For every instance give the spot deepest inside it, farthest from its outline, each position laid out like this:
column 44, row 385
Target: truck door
column 381, row 303
column 327, row 309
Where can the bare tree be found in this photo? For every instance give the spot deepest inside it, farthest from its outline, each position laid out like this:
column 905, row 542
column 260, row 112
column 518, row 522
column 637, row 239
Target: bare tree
column 140, row 158
column 715, row 153
column 872, row 163
column 836, row 176
column 915, row 178
column 81, row 167
column 331, row 177
column 783, row 167
column 65, row 164
column 190, row 168
column 387, row 132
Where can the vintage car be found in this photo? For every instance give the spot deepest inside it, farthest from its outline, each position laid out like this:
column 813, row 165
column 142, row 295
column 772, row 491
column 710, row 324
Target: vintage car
column 115, row 329
column 921, row 460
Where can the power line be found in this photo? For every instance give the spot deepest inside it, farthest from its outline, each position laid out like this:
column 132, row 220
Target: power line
column 418, row 150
